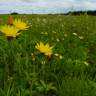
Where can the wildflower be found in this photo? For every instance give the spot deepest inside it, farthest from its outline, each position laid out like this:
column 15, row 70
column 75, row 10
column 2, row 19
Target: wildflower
column 86, row 63
column 75, row 34
column 56, row 54
column 10, row 78
column 65, row 35
column 33, row 58
column 9, row 31
column 46, row 49
column 54, row 32
column 63, row 39
column 32, row 54
column 46, row 33
column 60, row 56
column 31, row 25
column 20, row 24
column 43, row 62
column 62, row 25
column 42, row 32
column 57, row 40
column 44, row 20
column 81, row 37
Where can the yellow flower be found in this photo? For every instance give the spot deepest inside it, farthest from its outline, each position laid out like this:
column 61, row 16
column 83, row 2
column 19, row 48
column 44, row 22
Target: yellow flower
column 9, row 31
column 46, row 49
column 20, row 24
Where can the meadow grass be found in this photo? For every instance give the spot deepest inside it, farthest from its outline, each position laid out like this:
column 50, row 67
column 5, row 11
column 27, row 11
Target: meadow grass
column 71, row 70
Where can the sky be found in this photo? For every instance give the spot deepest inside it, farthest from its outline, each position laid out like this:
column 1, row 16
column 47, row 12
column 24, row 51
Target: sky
column 45, row 6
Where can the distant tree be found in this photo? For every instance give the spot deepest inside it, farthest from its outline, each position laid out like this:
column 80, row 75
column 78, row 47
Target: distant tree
column 14, row 13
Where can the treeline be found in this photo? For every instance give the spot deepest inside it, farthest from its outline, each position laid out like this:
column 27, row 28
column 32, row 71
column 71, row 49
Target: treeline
column 69, row 13
column 82, row 13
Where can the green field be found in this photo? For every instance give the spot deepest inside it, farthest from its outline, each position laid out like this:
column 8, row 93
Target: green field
column 24, row 71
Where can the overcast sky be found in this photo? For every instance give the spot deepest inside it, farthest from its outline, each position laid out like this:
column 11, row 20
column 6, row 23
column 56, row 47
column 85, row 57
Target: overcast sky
column 45, row 6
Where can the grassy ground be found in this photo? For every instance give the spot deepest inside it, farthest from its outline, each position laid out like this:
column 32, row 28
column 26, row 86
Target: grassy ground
column 26, row 72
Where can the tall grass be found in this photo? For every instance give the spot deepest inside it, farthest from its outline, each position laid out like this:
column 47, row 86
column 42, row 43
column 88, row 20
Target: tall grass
column 26, row 72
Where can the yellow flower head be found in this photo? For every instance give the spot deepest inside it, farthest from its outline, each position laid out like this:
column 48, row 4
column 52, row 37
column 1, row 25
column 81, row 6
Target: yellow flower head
column 9, row 31
column 46, row 49
column 20, row 24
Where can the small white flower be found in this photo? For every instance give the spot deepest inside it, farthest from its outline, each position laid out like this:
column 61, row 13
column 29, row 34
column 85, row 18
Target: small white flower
column 86, row 63
column 75, row 34
column 81, row 37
